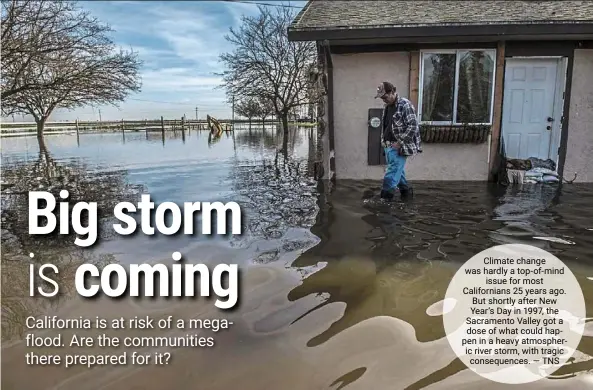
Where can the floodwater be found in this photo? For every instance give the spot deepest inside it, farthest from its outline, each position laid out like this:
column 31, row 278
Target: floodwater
column 336, row 292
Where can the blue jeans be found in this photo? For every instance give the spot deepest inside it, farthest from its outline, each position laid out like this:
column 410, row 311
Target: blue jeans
column 395, row 175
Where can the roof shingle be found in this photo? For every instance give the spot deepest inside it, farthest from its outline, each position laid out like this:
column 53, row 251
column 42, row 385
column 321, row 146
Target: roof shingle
column 324, row 14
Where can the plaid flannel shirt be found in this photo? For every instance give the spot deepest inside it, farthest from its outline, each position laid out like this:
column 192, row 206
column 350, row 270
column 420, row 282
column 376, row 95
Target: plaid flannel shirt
column 404, row 127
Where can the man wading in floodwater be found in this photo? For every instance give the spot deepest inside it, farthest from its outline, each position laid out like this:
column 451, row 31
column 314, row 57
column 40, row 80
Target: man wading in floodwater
column 400, row 139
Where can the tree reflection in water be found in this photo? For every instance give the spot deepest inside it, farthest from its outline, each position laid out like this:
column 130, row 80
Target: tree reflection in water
column 278, row 191
column 46, row 174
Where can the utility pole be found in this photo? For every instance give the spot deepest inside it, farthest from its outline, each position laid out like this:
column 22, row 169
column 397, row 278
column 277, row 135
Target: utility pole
column 100, row 115
column 233, row 119
column 196, row 112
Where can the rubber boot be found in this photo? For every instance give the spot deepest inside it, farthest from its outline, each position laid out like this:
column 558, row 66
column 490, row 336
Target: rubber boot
column 406, row 192
column 387, row 195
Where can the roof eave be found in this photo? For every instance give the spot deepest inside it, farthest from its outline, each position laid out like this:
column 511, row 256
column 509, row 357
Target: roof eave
column 495, row 30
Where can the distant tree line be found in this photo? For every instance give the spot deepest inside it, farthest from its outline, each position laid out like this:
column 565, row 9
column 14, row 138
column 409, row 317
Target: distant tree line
column 266, row 74
column 56, row 55
column 250, row 108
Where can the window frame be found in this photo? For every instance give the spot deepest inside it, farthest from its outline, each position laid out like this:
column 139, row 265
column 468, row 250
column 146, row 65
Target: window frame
column 453, row 121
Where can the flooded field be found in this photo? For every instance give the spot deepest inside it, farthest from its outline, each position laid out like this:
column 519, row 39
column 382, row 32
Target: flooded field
column 337, row 293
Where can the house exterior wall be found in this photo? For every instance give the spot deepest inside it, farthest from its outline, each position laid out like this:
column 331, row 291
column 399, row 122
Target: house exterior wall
column 579, row 150
column 356, row 77
column 325, row 145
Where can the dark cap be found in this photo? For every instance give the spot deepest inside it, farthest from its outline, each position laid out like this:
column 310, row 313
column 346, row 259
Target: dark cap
column 384, row 88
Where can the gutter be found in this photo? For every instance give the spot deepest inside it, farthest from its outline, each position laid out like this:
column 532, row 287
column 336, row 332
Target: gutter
column 506, row 30
column 330, row 109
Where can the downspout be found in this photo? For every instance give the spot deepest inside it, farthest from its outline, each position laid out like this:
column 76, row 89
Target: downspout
column 330, row 111
column 565, row 115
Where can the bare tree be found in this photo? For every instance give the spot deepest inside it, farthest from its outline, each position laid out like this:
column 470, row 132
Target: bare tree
column 60, row 57
column 266, row 108
column 28, row 33
column 266, row 65
column 248, row 107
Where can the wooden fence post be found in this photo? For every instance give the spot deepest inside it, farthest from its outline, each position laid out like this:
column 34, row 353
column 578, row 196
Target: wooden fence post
column 183, row 128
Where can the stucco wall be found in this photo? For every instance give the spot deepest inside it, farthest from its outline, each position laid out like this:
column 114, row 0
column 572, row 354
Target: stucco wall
column 579, row 152
column 325, row 143
column 356, row 77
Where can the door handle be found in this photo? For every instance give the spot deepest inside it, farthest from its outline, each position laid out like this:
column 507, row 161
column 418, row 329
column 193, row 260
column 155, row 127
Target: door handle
column 550, row 119
column 548, row 127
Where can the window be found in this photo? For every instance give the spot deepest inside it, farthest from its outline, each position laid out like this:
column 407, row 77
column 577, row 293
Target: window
column 456, row 86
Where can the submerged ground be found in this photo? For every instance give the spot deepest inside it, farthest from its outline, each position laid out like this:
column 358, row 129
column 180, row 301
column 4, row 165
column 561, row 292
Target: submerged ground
column 336, row 292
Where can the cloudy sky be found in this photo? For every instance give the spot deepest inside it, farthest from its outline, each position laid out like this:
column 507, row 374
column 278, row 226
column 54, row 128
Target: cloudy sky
column 179, row 42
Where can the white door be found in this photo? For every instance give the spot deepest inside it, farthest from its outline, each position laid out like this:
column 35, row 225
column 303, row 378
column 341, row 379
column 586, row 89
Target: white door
column 528, row 107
